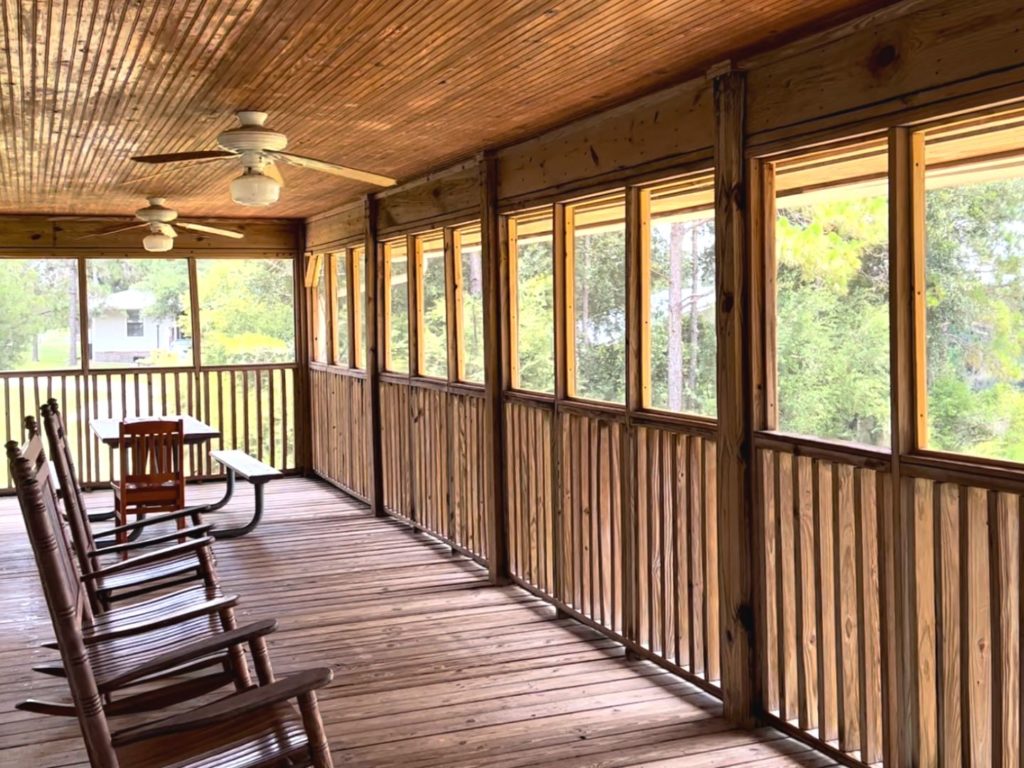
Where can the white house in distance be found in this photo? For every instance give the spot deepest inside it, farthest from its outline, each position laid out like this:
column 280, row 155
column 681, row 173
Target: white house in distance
column 121, row 330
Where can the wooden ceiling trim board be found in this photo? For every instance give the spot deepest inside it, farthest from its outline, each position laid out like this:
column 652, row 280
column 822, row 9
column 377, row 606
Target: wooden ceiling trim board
column 194, row 42
column 112, row 109
column 91, row 160
column 81, row 103
column 13, row 121
column 149, row 70
column 91, row 130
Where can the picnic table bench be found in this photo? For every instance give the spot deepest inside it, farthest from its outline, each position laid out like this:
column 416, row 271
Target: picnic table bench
column 241, row 464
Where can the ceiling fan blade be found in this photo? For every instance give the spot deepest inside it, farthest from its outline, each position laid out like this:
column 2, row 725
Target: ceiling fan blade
column 178, row 157
column 338, row 170
column 114, row 230
column 210, row 230
column 274, row 172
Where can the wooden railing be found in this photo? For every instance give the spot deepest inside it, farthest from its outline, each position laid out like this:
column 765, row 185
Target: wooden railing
column 826, row 523
column 252, row 406
column 340, row 428
column 650, row 580
column 677, row 563
column 965, row 549
column 432, row 450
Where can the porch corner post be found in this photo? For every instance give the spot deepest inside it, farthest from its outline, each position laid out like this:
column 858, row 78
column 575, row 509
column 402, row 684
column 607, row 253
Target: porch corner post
column 741, row 679
column 374, row 278
column 303, row 395
column 496, row 368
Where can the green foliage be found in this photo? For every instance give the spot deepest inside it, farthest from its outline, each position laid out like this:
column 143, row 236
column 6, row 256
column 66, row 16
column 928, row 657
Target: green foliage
column 599, row 293
column 39, row 311
column 398, row 321
column 975, row 318
column 472, row 316
column 434, row 344
column 246, row 311
column 536, row 316
column 682, row 316
column 833, row 319
column 341, row 278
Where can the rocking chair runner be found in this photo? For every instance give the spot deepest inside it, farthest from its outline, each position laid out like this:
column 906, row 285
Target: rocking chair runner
column 152, row 470
column 258, row 726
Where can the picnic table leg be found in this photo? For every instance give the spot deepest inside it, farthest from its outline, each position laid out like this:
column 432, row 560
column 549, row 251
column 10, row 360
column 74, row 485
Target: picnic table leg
column 234, row 533
column 229, row 491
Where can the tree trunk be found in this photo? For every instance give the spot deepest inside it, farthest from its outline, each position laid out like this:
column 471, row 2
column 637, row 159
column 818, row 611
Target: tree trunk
column 73, row 322
column 694, row 329
column 675, row 316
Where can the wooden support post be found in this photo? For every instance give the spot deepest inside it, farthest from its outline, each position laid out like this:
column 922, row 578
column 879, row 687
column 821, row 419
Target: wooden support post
column 909, row 721
column 741, row 681
column 375, row 330
column 561, row 471
column 303, row 410
column 637, row 327
column 495, row 277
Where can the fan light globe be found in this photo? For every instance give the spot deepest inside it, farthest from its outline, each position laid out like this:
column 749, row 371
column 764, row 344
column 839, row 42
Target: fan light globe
column 253, row 188
column 157, row 242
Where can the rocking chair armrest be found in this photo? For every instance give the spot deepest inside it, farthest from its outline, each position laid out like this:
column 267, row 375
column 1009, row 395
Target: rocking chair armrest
column 197, row 650
column 193, row 531
column 193, row 512
column 230, row 707
column 192, row 545
column 147, row 625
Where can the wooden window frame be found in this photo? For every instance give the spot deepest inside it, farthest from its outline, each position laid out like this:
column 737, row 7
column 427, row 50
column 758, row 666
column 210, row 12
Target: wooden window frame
column 764, row 362
column 356, row 321
column 418, row 321
column 642, row 225
column 313, row 276
column 456, row 310
column 511, row 228
column 565, row 296
column 908, row 172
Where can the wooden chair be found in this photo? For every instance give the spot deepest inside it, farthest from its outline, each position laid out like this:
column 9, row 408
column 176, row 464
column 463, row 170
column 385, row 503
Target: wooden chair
column 152, row 475
column 255, row 727
column 139, row 645
column 148, row 569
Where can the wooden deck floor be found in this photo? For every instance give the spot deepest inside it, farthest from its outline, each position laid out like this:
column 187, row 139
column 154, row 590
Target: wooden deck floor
column 432, row 666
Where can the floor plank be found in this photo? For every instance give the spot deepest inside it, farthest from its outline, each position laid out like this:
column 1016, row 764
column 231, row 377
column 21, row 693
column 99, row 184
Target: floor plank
column 433, row 667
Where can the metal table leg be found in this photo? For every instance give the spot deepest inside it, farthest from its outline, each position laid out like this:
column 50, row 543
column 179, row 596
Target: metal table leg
column 234, row 533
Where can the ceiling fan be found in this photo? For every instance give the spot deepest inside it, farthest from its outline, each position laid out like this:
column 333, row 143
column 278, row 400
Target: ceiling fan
column 161, row 235
column 259, row 147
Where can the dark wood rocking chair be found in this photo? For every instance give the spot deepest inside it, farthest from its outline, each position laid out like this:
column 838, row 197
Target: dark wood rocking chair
column 148, row 569
column 249, row 729
column 132, row 646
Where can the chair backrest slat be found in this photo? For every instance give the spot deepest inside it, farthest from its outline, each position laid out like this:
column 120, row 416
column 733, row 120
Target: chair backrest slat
column 53, row 561
column 152, row 451
column 71, row 490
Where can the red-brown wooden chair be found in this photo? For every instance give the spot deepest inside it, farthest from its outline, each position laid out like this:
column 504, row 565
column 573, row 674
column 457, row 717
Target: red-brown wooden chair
column 255, row 727
column 147, row 569
column 152, row 477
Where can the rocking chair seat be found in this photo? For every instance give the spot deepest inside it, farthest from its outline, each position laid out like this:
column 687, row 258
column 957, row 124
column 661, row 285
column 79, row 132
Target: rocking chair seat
column 183, row 565
column 267, row 738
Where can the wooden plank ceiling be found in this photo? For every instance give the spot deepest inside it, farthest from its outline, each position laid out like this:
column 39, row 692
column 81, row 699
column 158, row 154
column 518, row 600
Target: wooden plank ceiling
column 398, row 87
